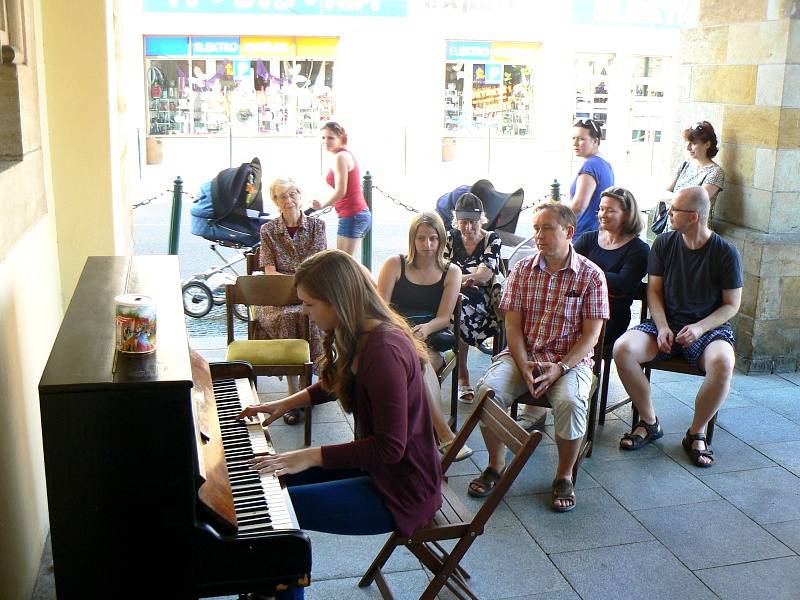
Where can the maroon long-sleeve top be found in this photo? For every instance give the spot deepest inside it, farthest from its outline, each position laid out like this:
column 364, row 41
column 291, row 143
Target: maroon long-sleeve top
column 394, row 441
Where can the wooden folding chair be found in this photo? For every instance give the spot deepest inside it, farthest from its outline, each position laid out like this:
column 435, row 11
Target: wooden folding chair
column 677, row 364
column 270, row 357
column 450, row 367
column 587, row 444
column 453, row 521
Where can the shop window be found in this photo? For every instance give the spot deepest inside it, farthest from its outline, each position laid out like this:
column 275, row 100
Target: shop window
column 592, row 87
column 240, row 96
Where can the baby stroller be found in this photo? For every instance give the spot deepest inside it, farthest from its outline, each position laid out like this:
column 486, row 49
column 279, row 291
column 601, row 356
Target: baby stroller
column 228, row 211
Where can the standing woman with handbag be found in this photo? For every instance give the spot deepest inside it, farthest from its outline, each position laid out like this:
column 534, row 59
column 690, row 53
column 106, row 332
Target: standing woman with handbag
column 347, row 198
column 594, row 176
column 700, row 170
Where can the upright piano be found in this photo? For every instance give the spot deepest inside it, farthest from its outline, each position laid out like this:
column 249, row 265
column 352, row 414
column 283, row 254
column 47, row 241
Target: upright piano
column 148, row 486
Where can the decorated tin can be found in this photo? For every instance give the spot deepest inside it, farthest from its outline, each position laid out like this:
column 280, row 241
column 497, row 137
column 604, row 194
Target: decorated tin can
column 136, row 324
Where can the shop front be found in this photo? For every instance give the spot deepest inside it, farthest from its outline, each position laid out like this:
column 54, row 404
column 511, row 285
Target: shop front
column 238, row 85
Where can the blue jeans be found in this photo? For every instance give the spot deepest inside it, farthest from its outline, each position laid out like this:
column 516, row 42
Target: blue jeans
column 355, row 226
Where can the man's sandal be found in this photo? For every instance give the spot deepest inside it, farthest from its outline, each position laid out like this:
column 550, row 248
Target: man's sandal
column 695, row 453
column 292, row 417
column 563, row 489
column 654, row 432
column 466, row 394
column 482, row 486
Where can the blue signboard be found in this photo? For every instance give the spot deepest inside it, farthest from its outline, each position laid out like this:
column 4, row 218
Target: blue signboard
column 494, row 74
column 215, row 46
column 470, row 51
column 636, row 13
column 166, row 46
column 337, row 8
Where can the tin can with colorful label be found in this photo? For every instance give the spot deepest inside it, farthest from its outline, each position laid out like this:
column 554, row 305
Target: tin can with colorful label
column 136, row 324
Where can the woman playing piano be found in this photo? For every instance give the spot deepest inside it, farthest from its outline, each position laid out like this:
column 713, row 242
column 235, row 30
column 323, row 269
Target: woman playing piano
column 388, row 478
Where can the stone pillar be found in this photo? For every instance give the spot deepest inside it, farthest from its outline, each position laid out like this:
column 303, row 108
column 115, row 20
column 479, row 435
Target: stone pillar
column 740, row 70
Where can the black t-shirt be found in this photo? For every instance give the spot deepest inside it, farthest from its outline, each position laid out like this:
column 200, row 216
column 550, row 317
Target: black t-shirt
column 694, row 279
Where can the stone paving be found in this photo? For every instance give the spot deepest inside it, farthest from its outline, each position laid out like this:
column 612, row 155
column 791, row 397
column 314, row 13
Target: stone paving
column 647, row 524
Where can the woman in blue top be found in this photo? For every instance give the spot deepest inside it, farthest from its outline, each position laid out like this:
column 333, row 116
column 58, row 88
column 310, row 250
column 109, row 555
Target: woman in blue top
column 594, row 176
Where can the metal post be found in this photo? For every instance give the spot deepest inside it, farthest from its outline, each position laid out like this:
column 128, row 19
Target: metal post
column 555, row 191
column 175, row 220
column 366, row 243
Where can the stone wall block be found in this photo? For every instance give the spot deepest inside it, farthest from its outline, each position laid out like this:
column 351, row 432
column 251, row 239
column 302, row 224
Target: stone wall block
column 751, row 256
column 793, row 52
column 785, row 213
column 777, row 339
column 750, row 295
column 751, row 125
column 768, row 301
column 790, row 294
column 764, row 168
column 745, row 206
column 738, row 161
column 758, row 43
column 704, row 45
column 730, row 84
column 791, row 87
column 770, row 86
column 716, row 12
column 789, row 132
column 787, row 171
column 781, row 257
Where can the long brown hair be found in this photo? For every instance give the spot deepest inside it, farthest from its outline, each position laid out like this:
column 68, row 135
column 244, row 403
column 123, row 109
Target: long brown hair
column 334, row 277
column 434, row 221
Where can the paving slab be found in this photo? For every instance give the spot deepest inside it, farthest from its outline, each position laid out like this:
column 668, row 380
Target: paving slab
column 710, row 534
column 768, row 495
column 643, row 570
column 650, row 483
column 606, row 444
column 787, row 532
column 342, row 556
column 405, row 585
column 776, row 579
column 597, row 520
column 730, row 454
column 786, row 454
column 785, row 401
column 758, row 425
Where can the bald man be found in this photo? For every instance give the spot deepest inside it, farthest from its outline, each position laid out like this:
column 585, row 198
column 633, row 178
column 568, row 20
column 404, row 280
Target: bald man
column 694, row 288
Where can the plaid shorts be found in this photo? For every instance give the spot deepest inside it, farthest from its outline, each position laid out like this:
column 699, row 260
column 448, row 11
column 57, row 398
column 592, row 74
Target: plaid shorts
column 693, row 353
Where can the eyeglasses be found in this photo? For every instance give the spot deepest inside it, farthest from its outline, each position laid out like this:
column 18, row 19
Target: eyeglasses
column 698, row 126
column 672, row 210
column 294, row 195
column 588, row 124
column 618, row 193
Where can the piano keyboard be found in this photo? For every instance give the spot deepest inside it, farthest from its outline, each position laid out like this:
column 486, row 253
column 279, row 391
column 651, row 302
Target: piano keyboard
column 259, row 499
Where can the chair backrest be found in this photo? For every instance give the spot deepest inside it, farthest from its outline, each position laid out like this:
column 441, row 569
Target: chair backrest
column 259, row 290
column 252, row 262
column 525, row 248
column 518, row 442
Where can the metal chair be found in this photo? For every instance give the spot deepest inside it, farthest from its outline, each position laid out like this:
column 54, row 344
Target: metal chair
column 677, row 364
column 588, row 439
column 270, row 357
column 453, row 521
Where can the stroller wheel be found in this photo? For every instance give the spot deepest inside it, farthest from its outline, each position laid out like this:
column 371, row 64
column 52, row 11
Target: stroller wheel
column 241, row 312
column 197, row 299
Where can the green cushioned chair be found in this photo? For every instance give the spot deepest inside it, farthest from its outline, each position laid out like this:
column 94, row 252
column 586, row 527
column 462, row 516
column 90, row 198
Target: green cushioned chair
column 269, row 357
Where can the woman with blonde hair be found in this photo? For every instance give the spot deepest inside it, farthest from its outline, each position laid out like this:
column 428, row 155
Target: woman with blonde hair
column 286, row 241
column 390, row 475
column 423, row 287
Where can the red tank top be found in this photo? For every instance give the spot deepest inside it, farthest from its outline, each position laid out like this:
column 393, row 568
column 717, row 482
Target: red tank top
column 353, row 200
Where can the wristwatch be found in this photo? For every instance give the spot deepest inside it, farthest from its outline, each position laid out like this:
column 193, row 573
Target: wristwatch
column 564, row 367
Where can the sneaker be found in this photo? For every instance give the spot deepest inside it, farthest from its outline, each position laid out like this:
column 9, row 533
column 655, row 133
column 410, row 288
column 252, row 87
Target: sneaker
column 465, row 451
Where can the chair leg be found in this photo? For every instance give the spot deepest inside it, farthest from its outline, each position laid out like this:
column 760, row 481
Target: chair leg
column 710, row 429
column 454, row 396
column 307, row 425
column 604, row 392
column 380, row 560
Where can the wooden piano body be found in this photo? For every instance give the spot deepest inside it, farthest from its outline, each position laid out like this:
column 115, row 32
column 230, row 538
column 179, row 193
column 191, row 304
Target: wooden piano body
column 137, row 486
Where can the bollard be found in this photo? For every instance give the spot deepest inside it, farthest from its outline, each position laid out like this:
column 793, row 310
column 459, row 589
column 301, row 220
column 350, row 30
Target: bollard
column 366, row 244
column 555, row 190
column 175, row 220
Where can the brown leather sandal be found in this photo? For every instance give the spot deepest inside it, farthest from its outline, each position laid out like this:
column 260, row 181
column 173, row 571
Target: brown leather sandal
column 695, row 453
column 482, row 486
column 563, row 489
column 654, row 432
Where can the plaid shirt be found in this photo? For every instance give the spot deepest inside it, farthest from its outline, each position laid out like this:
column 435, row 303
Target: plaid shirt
column 554, row 305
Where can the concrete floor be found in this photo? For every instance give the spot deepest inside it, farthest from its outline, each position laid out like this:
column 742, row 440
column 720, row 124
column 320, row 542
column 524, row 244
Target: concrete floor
column 647, row 524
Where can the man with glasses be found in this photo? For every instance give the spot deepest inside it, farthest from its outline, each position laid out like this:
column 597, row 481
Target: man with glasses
column 694, row 288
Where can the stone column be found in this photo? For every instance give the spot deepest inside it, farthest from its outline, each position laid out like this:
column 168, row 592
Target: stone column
column 740, row 70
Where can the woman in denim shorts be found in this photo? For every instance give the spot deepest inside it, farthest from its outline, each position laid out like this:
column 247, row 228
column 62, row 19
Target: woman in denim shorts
column 345, row 179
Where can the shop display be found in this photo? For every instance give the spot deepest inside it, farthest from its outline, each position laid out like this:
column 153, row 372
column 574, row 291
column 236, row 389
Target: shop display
column 592, row 88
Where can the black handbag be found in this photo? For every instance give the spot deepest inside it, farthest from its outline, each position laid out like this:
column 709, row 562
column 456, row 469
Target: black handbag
column 660, row 220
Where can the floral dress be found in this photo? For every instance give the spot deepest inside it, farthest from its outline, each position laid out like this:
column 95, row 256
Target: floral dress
column 285, row 253
column 478, row 318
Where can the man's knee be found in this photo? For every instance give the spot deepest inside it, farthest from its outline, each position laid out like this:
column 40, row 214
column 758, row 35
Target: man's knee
column 719, row 360
column 634, row 346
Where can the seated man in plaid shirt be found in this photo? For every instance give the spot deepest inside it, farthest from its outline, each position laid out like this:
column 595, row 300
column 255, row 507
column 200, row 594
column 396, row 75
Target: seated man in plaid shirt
column 555, row 302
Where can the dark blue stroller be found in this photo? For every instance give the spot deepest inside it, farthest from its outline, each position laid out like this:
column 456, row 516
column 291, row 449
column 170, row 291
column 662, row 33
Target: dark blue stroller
column 227, row 211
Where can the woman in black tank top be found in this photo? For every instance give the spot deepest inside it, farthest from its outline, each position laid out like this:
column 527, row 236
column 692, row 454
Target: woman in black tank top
column 424, row 288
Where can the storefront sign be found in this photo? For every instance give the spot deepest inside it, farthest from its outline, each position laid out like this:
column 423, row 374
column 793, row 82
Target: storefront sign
column 264, row 47
column 637, row 13
column 519, row 53
column 469, row 51
column 321, row 47
column 166, row 46
column 215, row 46
column 347, row 8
